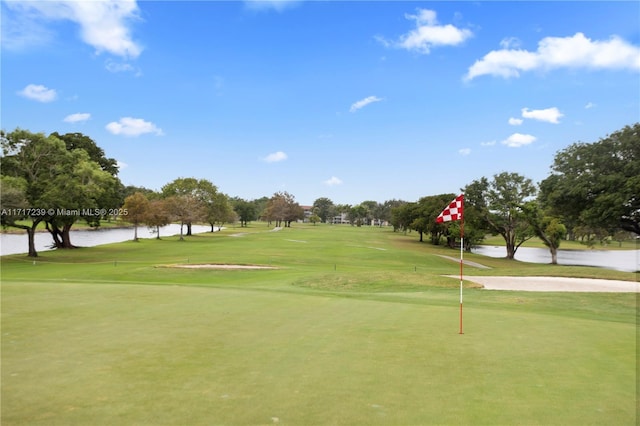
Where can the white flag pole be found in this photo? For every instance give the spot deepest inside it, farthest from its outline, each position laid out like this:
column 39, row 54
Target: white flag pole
column 461, row 263
column 455, row 211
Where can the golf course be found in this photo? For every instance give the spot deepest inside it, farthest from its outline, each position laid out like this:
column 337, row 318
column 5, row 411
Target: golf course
column 339, row 325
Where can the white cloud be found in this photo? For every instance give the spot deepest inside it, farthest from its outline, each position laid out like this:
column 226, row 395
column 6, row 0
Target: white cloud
column 77, row 117
column 515, row 121
column 550, row 115
column 38, row 92
column 576, row 51
column 115, row 67
column 104, row 25
column 277, row 5
column 589, row 105
column 275, row 157
column 428, row 33
column 464, row 151
column 364, row 102
column 129, row 126
column 488, row 143
column 21, row 31
column 517, row 140
column 121, row 165
column 333, row 181
column 510, row 43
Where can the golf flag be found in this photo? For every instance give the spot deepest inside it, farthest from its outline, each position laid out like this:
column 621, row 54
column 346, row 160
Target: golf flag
column 454, row 211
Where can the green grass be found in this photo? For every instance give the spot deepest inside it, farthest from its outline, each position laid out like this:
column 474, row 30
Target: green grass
column 356, row 326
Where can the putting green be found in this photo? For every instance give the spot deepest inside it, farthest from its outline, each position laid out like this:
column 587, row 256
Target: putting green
column 80, row 354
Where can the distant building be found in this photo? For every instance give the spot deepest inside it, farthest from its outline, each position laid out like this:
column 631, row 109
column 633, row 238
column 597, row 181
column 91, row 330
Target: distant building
column 308, row 212
column 341, row 218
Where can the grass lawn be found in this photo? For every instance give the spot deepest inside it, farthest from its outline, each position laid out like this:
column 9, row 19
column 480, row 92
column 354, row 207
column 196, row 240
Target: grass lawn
column 357, row 326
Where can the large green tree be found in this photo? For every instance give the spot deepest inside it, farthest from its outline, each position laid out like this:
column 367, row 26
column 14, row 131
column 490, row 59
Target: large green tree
column 548, row 228
column 383, row 211
column 283, row 209
column 358, row 214
column 195, row 193
column 498, row 204
column 218, row 210
column 59, row 185
column 75, row 192
column 245, row 210
column 597, row 185
column 75, row 141
column 158, row 215
column 402, row 215
column 325, row 208
column 113, row 192
column 428, row 210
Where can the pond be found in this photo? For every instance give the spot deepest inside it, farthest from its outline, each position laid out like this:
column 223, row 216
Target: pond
column 18, row 243
column 620, row 260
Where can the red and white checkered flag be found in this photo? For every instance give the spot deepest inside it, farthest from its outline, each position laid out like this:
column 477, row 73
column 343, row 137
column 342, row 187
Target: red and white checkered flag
column 453, row 211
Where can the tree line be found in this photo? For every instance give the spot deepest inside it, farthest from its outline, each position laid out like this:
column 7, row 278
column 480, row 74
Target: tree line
column 592, row 193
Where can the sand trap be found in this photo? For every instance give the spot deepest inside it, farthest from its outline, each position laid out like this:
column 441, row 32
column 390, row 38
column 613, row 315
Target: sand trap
column 555, row 284
column 217, row 266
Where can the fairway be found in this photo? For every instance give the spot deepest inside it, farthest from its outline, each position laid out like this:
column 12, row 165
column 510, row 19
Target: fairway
column 354, row 326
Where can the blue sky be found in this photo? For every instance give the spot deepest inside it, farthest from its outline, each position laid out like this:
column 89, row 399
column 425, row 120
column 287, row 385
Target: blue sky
column 352, row 101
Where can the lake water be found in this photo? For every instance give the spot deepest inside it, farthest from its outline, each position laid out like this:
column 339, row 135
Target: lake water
column 621, row 260
column 18, row 243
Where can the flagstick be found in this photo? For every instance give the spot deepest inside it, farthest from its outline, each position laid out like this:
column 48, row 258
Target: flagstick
column 461, row 263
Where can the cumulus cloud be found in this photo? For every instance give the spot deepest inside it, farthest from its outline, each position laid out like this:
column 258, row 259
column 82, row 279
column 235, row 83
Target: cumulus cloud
column 464, row 151
column 589, row 105
column 576, row 51
column 105, row 25
column 550, row 115
column 38, row 92
column 275, row 157
column 128, row 126
column 428, row 33
column 364, row 102
column 77, row 117
column 515, row 121
column 517, row 140
column 333, row 181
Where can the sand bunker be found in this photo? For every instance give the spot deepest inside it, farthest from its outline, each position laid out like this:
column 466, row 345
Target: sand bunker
column 555, row 284
column 217, row 266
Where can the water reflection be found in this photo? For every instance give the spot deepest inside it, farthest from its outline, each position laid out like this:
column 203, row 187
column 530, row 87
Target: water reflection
column 620, row 260
column 18, row 243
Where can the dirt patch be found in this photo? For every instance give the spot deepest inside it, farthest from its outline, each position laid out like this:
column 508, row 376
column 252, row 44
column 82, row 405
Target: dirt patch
column 217, row 266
